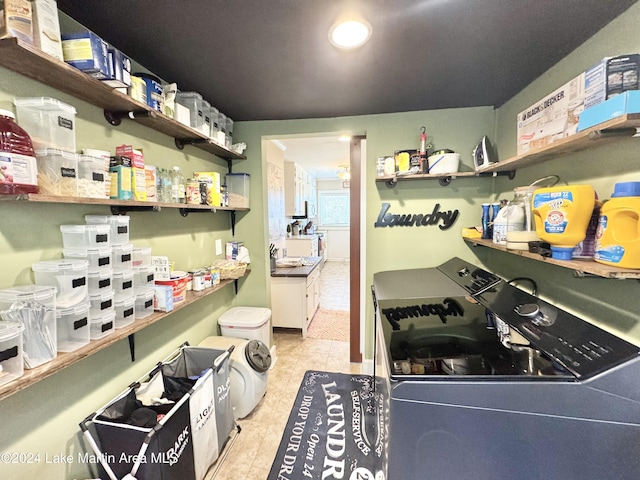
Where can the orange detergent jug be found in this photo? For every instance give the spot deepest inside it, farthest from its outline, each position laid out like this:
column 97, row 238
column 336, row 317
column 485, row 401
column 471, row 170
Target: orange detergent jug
column 561, row 215
column 618, row 233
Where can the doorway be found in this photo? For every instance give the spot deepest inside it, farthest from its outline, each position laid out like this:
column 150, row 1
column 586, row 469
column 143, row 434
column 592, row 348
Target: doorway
column 323, row 157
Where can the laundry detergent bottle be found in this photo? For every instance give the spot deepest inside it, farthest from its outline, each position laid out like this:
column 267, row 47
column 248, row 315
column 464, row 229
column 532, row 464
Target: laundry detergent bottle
column 562, row 215
column 618, row 233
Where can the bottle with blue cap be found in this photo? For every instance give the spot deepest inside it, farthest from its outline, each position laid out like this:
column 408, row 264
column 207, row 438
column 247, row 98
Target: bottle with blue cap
column 618, row 233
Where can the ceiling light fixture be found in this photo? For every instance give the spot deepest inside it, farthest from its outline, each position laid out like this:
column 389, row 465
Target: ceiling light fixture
column 350, row 34
column 345, row 172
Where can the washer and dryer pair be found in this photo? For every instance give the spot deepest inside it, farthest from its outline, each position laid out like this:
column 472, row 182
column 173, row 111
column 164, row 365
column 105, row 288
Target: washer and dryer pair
column 250, row 362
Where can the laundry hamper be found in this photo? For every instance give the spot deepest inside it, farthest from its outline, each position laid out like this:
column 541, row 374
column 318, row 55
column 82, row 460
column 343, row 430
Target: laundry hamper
column 190, row 433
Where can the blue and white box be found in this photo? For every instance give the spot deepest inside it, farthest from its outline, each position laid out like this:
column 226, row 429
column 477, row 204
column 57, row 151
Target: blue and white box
column 87, row 52
column 623, row 104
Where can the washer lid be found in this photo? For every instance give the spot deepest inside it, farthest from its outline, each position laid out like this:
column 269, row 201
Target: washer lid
column 258, row 356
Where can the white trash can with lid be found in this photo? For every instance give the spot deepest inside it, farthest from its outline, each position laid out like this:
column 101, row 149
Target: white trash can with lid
column 252, row 323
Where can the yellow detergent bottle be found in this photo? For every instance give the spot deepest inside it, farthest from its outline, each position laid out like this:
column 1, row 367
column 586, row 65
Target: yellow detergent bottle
column 618, row 234
column 561, row 215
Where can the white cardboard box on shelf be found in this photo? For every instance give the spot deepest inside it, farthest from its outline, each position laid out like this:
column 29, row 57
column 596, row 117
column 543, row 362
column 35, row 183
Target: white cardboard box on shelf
column 162, row 268
column 552, row 118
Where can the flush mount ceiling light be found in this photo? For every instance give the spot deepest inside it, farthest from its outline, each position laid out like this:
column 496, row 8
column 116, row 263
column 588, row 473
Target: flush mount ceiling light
column 350, row 34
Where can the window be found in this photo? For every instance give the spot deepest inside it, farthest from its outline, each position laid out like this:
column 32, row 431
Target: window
column 333, row 208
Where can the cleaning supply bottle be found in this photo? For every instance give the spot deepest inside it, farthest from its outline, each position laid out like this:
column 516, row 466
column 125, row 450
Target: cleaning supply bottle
column 618, row 233
column 18, row 167
column 561, row 215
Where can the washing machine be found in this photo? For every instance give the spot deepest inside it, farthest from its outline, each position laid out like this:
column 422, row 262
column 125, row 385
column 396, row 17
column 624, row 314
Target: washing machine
column 249, row 362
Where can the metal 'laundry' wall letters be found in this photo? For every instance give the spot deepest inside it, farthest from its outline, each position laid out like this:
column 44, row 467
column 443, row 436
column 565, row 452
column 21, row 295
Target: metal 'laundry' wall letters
column 386, row 219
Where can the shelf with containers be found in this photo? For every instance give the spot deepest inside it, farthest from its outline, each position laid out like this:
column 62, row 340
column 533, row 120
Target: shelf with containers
column 31, row 62
column 582, row 267
column 63, row 360
column 605, row 133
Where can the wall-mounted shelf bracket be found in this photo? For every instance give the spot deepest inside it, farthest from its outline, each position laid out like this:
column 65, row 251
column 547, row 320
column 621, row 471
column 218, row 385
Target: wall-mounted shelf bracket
column 614, row 132
column 123, row 209
column 115, row 118
column 181, row 142
column 132, row 347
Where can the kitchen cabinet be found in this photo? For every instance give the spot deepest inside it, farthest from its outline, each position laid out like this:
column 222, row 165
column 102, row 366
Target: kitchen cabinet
column 31, row 62
column 298, row 191
column 295, row 296
column 302, row 246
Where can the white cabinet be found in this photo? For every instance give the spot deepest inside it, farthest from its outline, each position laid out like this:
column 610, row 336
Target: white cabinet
column 295, row 300
column 303, row 246
column 299, row 188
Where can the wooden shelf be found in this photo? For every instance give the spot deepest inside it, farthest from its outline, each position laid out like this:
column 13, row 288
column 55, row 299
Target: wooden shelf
column 601, row 134
column 581, row 267
column 29, row 61
column 64, row 360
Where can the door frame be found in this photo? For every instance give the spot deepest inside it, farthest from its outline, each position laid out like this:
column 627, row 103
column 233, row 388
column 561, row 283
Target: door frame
column 355, row 248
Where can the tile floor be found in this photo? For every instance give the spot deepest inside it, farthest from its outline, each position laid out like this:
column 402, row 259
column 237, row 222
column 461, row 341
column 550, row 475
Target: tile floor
column 251, row 455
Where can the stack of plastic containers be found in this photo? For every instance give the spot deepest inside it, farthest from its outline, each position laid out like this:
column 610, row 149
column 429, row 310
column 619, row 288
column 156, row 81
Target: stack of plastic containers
column 121, row 296
column 28, row 312
column 207, row 119
column 51, row 125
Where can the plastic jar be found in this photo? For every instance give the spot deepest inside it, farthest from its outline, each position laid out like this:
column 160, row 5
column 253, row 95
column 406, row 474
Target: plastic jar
column 18, row 166
column 618, row 232
column 562, row 215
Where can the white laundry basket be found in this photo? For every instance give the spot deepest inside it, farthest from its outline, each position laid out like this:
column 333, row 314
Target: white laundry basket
column 252, row 323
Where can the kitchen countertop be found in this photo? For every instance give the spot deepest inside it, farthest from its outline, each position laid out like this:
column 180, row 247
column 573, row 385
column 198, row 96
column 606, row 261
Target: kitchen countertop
column 303, row 237
column 303, row 271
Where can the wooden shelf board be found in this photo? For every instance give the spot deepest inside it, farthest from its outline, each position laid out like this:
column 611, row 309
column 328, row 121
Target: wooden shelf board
column 576, row 143
column 29, row 61
column 425, row 176
column 582, row 266
column 64, row 360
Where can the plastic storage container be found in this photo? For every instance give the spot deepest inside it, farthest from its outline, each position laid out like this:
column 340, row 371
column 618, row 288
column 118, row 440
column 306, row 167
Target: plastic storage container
column 143, row 276
column 141, row 257
column 100, row 281
column 101, row 301
column 102, row 324
column 618, row 232
column 238, row 189
column 11, row 354
column 521, row 228
column 68, row 276
column 119, row 225
column 92, row 177
column 251, row 323
column 122, row 257
column 49, row 122
column 193, row 101
column 18, row 162
column 125, row 311
column 123, row 283
column 73, row 327
column 99, row 258
column 57, row 172
column 33, row 306
column 85, row 236
column 144, row 301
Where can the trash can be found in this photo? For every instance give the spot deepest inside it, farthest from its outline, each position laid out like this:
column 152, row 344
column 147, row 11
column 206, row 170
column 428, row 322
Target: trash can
column 171, row 424
column 251, row 323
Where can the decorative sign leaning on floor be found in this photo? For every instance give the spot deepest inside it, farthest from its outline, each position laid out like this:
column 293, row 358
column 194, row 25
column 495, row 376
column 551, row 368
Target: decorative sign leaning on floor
column 335, row 431
column 386, row 219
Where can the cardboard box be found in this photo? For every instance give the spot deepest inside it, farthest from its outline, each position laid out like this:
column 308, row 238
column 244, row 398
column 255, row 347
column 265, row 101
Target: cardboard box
column 139, row 184
column 232, row 249
column 552, row 118
column 163, row 298
column 46, row 28
column 119, row 69
column 138, row 89
column 611, row 76
column 16, row 20
column 162, row 267
column 150, row 179
column 136, row 156
column 209, row 187
column 627, row 102
column 87, row 52
column 120, row 182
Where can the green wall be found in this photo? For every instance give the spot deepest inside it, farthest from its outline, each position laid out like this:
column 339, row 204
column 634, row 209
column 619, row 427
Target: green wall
column 43, row 418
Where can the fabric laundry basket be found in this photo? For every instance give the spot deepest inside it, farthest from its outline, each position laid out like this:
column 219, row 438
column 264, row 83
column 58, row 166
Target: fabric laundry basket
column 167, row 425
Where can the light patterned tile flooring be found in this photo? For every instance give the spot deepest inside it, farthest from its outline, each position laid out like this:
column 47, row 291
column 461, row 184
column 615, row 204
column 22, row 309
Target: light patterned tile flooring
column 251, row 455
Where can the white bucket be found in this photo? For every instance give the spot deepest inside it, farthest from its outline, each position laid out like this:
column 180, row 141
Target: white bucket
column 444, row 163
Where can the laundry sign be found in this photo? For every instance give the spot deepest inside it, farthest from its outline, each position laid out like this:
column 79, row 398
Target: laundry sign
column 444, row 219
